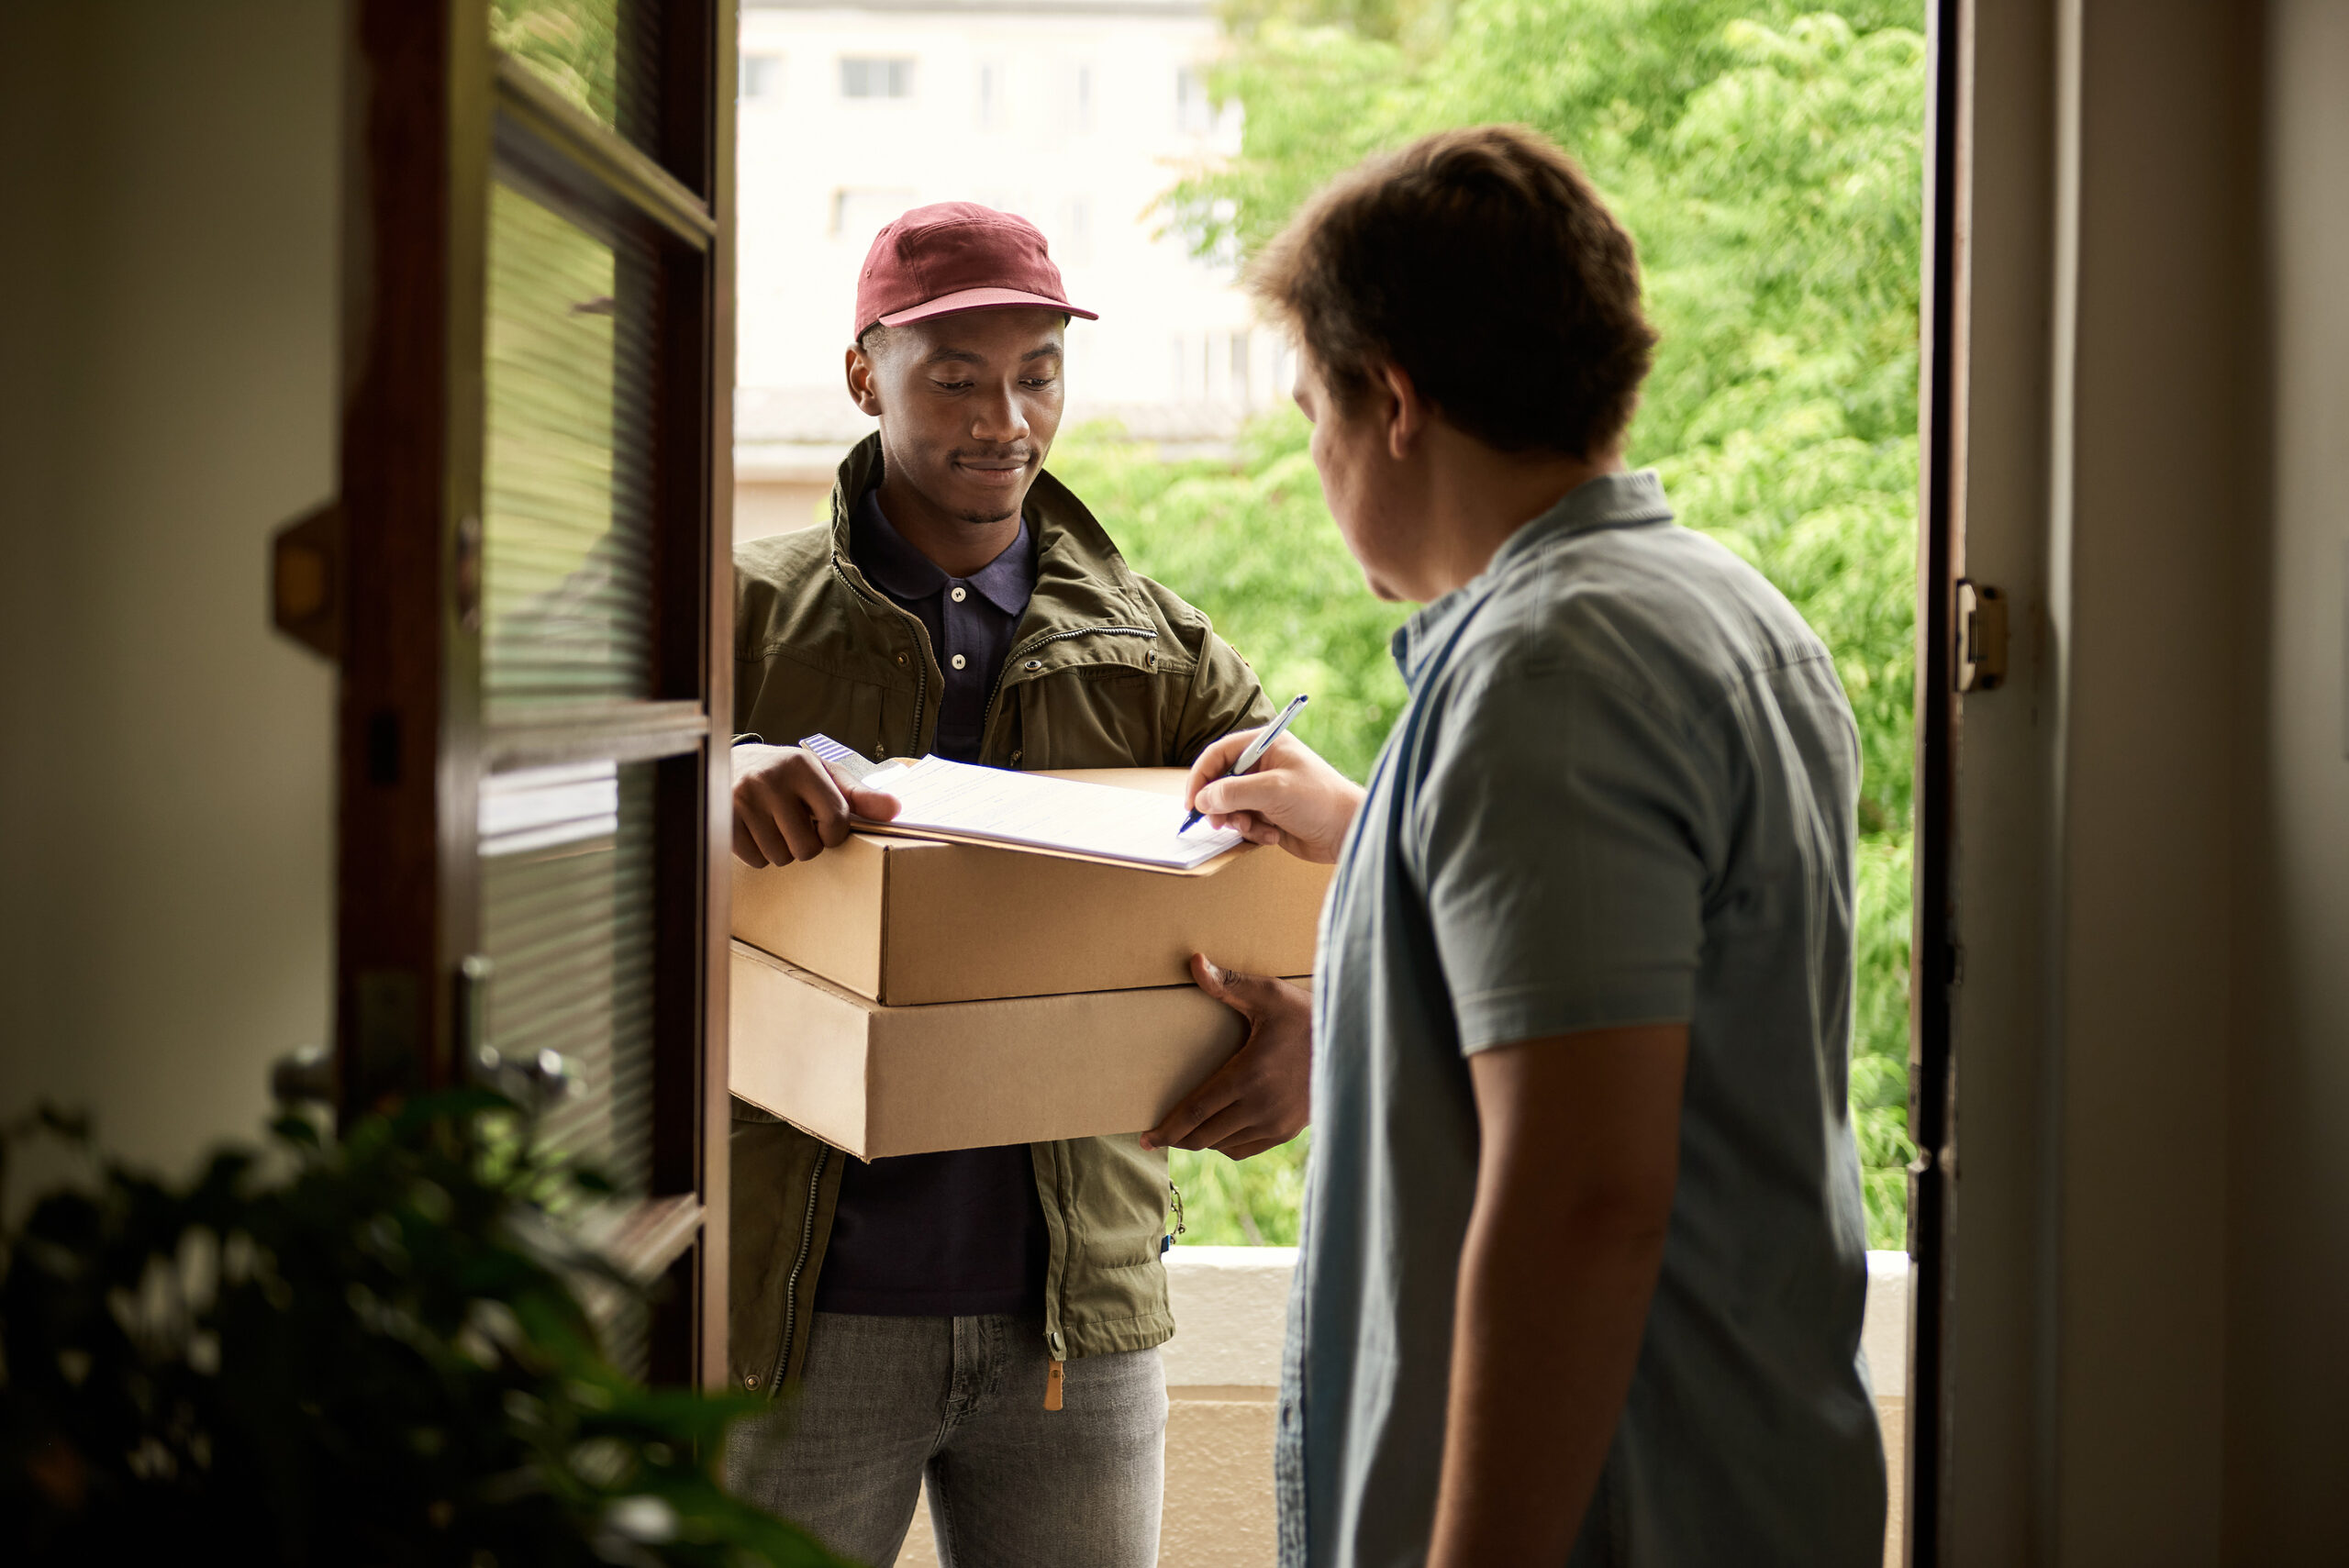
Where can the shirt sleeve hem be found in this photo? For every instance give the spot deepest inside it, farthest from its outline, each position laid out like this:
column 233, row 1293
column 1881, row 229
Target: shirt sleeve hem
column 1507, row 1018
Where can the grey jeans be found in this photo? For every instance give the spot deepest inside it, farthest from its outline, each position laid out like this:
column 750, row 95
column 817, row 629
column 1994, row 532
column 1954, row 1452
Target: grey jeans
column 886, row 1401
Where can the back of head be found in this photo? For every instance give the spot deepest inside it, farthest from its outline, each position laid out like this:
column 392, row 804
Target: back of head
column 1483, row 264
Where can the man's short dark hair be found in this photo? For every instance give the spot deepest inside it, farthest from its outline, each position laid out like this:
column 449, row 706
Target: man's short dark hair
column 1482, row 263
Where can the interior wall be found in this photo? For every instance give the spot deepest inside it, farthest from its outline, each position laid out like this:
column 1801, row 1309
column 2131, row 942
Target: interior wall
column 167, row 399
column 2162, row 520
column 2288, row 1202
column 2152, row 1247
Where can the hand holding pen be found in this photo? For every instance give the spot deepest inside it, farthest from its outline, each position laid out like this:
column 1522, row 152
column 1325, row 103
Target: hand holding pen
column 1287, row 797
column 1255, row 753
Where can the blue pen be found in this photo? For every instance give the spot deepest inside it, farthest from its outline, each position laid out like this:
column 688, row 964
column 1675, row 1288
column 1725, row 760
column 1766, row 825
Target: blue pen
column 1252, row 755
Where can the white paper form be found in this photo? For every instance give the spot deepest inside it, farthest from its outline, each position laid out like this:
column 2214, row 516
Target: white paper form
column 1028, row 810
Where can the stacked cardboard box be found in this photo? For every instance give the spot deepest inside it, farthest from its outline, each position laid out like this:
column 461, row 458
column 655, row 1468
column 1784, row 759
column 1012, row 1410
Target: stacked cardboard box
column 897, row 995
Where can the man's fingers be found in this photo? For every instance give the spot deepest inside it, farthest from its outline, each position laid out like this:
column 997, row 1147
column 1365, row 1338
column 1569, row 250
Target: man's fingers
column 1263, row 791
column 1248, row 995
column 780, row 819
column 873, row 805
column 1214, row 761
column 754, row 810
column 746, row 847
column 1194, row 1107
column 1227, row 1125
column 1209, row 977
column 1247, row 1146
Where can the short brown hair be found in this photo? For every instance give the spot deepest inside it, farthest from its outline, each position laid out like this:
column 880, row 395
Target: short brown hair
column 1481, row 262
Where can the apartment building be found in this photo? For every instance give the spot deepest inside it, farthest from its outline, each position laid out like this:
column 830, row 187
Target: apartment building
column 1078, row 115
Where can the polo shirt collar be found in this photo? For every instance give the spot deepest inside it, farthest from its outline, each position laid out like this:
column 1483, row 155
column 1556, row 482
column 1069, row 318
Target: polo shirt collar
column 883, row 555
column 1607, row 501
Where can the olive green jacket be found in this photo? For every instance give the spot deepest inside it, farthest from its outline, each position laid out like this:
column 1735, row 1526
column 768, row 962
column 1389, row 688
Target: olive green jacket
column 1107, row 670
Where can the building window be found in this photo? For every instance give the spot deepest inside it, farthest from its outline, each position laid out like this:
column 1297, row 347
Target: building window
column 865, row 77
column 1076, row 233
column 1240, row 390
column 1081, row 106
column 1193, row 114
column 858, row 213
column 991, row 96
column 763, row 76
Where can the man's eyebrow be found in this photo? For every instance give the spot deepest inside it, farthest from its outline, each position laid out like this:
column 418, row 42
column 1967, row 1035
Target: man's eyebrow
column 971, row 356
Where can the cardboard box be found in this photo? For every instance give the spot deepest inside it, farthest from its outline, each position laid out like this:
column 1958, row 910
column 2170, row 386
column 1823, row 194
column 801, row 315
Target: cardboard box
column 910, row 922
column 877, row 1080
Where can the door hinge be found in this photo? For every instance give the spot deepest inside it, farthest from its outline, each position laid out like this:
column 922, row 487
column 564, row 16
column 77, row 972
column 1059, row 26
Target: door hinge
column 1981, row 637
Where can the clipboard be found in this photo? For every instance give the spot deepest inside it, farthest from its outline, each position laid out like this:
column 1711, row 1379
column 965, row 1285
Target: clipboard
column 992, row 792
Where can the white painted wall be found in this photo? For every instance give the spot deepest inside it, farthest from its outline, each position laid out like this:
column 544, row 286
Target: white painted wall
column 167, row 398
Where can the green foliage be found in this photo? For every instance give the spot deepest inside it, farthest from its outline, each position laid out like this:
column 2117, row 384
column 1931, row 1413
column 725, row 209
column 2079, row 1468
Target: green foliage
column 1241, row 1203
column 573, row 45
column 364, row 1352
column 1767, row 160
column 1879, row 1090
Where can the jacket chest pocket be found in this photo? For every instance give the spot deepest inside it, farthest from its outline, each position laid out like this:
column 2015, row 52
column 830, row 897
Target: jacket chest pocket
column 1084, row 718
column 868, row 718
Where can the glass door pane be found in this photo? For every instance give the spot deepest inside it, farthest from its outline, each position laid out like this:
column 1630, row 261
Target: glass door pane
column 567, row 919
column 567, row 485
column 602, row 56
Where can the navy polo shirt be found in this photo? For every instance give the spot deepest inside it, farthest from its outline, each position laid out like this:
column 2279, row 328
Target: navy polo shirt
column 959, row 1234
column 970, row 620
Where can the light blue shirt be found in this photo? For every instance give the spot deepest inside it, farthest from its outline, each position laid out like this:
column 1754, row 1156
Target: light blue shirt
column 1622, row 792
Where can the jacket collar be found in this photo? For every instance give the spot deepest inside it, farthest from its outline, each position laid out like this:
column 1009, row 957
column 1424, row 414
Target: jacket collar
column 1081, row 580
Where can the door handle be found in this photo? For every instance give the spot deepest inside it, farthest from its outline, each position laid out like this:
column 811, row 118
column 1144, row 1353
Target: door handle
column 303, row 1076
column 540, row 1081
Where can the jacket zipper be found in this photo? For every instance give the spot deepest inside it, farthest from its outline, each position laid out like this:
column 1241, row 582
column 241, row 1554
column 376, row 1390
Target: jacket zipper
column 1003, row 677
column 799, row 1265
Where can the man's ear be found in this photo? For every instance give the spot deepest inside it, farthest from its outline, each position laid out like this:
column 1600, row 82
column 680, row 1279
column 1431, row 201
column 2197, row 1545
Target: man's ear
column 864, row 388
column 1403, row 410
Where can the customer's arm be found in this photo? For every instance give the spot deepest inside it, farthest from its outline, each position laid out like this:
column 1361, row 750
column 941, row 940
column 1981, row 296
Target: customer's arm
column 1580, row 1145
column 1262, row 1096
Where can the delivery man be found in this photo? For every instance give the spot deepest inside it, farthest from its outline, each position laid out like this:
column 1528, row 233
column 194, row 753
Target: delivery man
column 1583, row 1269
column 986, row 1317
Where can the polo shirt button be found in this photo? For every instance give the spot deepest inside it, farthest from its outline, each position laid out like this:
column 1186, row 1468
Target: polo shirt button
column 960, row 595
column 959, row 660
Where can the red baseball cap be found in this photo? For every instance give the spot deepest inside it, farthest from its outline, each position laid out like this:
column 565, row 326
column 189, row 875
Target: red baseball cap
column 956, row 256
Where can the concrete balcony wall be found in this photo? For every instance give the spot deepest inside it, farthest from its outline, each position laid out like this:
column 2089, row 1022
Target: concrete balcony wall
column 1223, row 1370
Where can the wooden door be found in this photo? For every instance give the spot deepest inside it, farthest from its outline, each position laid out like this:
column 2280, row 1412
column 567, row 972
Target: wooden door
column 535, row 603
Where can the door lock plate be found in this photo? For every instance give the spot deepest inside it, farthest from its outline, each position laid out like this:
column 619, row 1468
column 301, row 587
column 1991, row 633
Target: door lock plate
column 1981, row 637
